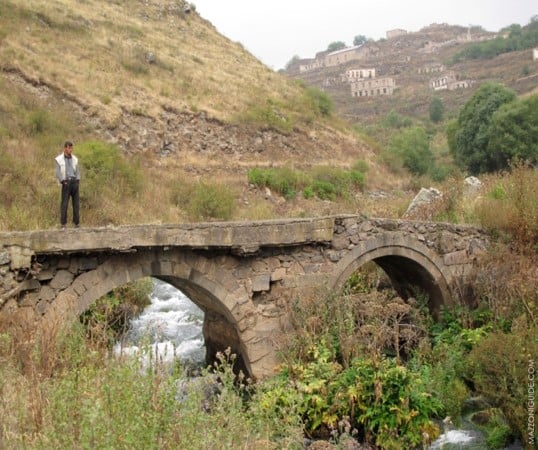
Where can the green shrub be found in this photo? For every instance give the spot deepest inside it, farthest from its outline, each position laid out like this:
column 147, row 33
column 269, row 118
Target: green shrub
column 324, row 190
column 395, row 120
column 412, row 146
column 497, row 192
column 211, row 201
column 499, row 367
column 385, row 404
column 357, row 178
column 322, row 102
column 268, row 115
column 443, row 372
column 440, row 172
column 331, row 182
column 108, row 318
column 308, row 192
column 327, row 183
column 284, row 180
column 436, row 110
column 38, row 122
column 498, row 433
column 106, row 172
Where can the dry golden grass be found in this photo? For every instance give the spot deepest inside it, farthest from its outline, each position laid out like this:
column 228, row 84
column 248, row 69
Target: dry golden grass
column 510, row 204
column 104, row 47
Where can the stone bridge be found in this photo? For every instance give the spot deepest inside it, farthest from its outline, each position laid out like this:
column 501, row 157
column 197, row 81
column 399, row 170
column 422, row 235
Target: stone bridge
column 243, row 275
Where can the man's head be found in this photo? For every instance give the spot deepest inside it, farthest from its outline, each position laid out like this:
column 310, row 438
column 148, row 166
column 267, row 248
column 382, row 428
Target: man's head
column 68, row 148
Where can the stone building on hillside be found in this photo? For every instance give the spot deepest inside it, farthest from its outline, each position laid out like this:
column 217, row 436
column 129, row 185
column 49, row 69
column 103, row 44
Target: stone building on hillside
column 373, row 87
column 306, row 65
column 351, row 75
column 332, row 59
column 431, row 68
column 345, row 55
column 449, row 81
column 395, row 33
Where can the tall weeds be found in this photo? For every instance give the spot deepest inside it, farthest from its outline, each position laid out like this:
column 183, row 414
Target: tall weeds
column 70, row 393
column 510, row 206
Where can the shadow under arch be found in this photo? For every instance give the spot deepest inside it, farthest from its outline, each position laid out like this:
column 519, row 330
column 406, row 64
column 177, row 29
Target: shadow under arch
column 217, row 296
column 410, row 265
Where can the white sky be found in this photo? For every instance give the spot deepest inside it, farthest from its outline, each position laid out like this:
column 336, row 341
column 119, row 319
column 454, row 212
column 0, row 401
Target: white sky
column 276, row 30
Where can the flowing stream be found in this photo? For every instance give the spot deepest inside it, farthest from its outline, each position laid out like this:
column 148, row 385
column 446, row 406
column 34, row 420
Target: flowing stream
column 171, row 327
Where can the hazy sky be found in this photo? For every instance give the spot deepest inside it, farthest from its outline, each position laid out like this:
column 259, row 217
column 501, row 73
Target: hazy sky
column 276, row 30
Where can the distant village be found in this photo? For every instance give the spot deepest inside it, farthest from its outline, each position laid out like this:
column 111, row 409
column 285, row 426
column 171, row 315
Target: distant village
column 363, row 80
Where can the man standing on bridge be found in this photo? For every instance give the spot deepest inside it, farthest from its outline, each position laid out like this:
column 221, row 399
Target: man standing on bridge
column 68, row 175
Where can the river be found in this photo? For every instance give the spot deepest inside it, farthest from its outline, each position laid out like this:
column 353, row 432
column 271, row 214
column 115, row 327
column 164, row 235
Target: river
column 171, row 326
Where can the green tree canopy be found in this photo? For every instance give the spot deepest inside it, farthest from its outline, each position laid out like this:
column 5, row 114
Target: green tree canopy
column 337, row 45
column 292, row 61
column 413, row 146
column 514, row 132
column 359, row 39
column 470, row 142
column 437, row 110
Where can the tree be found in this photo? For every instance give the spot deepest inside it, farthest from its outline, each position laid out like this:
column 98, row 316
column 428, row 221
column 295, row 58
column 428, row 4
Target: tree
column 395, row 120
column 338, row 45
column 322, row 102
column 514, row 133
column 469, row 144
column 436, row 110
column 413, row 147
column 294, row 60
column 359, row 39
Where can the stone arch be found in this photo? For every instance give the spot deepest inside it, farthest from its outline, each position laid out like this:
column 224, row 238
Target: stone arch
column 407, row 262
column 204, row 280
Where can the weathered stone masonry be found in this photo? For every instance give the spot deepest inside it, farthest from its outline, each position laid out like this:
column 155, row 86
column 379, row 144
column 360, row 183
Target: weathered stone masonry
column 242, row 274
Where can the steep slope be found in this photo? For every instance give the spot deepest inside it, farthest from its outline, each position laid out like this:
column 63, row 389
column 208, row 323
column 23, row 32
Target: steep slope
column 156, row 78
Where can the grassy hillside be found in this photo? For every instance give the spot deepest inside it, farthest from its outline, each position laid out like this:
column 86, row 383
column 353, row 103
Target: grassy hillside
column 116, row 57
column 176, row 98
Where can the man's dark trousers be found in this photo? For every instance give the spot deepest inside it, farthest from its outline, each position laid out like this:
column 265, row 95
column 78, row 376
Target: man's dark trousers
column 70, row 189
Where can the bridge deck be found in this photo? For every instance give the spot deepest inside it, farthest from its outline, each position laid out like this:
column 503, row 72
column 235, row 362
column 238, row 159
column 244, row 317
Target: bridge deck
column 244, row 236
